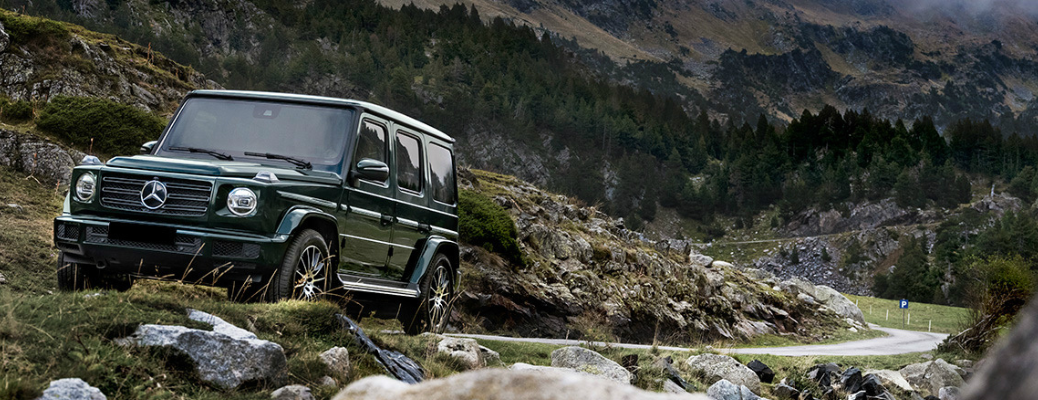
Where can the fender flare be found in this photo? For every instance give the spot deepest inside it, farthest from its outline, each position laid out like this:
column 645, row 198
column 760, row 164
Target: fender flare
column 433, row 245
column 296, row 216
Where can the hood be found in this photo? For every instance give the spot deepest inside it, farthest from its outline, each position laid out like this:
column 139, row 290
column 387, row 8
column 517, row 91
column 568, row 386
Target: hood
column 235, row 169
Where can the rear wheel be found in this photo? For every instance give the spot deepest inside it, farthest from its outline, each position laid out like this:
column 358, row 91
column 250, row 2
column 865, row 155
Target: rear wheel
column 431, row 312
column 304, row 271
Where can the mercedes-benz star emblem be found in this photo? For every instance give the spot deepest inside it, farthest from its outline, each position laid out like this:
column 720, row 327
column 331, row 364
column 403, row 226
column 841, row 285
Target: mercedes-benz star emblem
column 153, row 194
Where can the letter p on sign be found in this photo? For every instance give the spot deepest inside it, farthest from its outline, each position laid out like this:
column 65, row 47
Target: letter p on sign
column 903, row 304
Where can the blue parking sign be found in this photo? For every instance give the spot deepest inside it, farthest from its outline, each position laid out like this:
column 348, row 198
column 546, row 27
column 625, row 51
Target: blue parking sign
column 903, row 304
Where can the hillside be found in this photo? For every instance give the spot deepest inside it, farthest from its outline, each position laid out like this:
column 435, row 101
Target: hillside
column 947, row 60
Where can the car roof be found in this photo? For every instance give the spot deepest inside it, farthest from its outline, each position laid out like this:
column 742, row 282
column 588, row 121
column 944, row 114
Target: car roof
column 302, row 98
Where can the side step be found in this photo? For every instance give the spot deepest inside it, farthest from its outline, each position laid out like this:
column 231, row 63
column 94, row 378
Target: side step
column 355, row 283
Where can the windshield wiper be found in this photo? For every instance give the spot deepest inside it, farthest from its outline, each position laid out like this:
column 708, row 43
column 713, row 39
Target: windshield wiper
column 297, row 161
column 217, row 154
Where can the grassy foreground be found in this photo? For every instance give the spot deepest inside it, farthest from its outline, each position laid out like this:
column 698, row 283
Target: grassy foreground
column 936, row 318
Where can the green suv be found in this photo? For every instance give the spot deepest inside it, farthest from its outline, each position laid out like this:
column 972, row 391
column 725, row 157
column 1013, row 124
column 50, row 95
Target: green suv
column 274, row 196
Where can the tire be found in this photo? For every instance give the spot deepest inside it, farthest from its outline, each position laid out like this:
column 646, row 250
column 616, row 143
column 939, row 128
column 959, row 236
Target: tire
column 431, row 312
column 304, row 269
column 75, row 276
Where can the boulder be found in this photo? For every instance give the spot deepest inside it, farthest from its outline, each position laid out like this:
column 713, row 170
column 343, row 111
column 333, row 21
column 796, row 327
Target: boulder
column 725, row 390
column 806, row 298
column 584, row 360
column 667, row 365
column 721, row 264
column 292, row 392
column 490, row 357
column 851, row 380
column 338, row 361
column 785, row 392
column 949, row 393
column 670, row 387
column 934, row 376
column 73, row 389
column 697, row 260
column 823, row 374
column 890, row 379
column 1008, row 371
column 227, row 356
column 465, row 351
column 328, row 382
column 501, row 384
column 715, row 367
column 763, row 372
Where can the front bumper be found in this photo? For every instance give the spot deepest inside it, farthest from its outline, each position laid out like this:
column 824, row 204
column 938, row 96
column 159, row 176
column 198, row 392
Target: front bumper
column 184, row 253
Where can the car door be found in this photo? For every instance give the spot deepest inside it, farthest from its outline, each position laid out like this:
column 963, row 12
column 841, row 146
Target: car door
column 368, row 205
column 411, row 225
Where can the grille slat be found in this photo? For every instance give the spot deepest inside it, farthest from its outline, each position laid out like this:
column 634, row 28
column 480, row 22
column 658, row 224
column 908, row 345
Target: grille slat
column 186, row 197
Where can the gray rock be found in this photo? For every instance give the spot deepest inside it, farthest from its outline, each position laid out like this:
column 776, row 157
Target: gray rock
column 891, row 379
column 1008, row 370
column 5, row 39
column 584, row 360
column 721, row 264
column 490, row 357
column 338, row 361
column 932, row 376
column 501, row 384
column 715, row 367
column 328, row 381
column 46, row 161
column 670, row 387
column 3, row 279
column 465, row 351
column 949, row 393
column 806, row 298
column 785, row 392
column 699, row 261
column 725, row 390
column 71, row 389
column 292, row 392
column 227, row 356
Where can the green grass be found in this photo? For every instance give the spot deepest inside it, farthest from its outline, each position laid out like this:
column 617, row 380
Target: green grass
column 944, row 319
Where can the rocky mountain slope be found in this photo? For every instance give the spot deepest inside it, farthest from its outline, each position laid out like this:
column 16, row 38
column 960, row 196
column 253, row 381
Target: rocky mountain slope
column 41, row 59
column 588, row 276
column 904, row 60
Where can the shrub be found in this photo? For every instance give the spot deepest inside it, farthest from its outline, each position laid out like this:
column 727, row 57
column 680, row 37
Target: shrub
column 15, row 111
column 25, row 29
column 115, row 128
column 482, row 222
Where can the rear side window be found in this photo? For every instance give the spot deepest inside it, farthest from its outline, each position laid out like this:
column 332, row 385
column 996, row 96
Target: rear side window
column 441, row 166
column 371, row 143
column 408, row 163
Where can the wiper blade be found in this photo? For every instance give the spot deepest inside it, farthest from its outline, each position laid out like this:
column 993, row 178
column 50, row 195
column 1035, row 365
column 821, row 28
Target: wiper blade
column 217, row 154
column 297, row 161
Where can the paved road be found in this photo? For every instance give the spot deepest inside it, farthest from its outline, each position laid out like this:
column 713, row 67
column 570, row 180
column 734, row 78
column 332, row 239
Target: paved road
column 898, row 342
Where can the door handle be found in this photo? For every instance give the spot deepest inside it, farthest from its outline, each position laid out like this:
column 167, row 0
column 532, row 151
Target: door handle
column 386, row 220
column 424, row 228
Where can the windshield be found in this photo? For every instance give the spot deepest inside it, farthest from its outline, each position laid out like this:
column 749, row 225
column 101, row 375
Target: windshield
column 233, row 127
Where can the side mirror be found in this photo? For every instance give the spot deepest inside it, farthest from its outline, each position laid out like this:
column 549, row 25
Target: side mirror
column 147, row 147
column 372, row 170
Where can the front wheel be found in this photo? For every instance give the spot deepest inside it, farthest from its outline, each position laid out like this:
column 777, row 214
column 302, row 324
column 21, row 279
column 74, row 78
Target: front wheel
column 432, row 310
column 304, row 270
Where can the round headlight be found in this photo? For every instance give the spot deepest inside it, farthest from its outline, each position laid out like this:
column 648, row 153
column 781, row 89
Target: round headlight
column 241, row 201
column 85, row 186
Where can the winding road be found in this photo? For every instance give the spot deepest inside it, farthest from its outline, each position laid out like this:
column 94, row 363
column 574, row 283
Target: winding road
column 897, row 342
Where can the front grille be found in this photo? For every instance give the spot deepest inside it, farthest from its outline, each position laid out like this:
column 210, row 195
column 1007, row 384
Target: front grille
column 67, row 231
column 186, row 197
column 236, row 249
